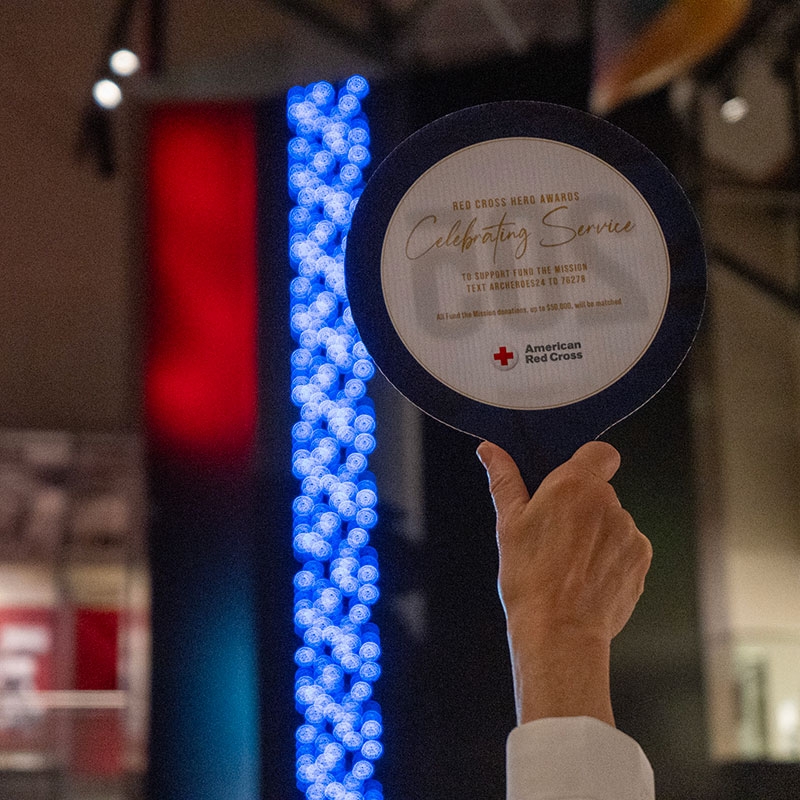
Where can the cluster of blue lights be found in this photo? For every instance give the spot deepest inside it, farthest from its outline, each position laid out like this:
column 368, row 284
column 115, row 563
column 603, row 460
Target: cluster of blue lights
column 337, row 585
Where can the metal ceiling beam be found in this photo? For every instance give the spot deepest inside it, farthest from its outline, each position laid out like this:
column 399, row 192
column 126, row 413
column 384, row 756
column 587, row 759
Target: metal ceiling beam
column 363, row 42
column 788, row 298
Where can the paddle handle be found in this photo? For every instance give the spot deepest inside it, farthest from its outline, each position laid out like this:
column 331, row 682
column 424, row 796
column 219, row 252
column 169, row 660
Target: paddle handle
column 539, row 451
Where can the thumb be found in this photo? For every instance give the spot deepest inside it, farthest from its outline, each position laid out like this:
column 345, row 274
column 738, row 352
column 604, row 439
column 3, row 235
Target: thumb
column 597, row 458
column 508, row 490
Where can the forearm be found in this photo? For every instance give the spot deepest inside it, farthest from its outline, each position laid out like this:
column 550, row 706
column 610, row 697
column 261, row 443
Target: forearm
column 560, row 674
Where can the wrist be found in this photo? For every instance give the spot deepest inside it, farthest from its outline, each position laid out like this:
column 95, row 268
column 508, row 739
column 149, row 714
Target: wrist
column 560, row 671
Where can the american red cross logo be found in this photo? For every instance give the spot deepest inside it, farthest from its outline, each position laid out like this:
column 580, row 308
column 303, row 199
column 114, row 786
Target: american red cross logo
column 503, row 356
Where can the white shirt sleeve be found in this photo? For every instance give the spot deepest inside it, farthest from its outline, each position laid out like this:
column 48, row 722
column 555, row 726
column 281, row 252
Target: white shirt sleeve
column 575, row 758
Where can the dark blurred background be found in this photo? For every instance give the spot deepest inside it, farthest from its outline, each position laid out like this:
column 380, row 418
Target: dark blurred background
column 145, row 580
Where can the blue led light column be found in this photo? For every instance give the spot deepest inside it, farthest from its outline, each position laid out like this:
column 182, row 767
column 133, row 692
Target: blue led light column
column 336, row 586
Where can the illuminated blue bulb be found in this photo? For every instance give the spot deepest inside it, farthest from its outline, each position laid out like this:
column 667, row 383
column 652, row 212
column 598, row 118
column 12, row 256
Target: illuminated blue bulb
column 359, row 613
column 329, row 483
column 357, row 537
column 303, row 467
column 368, row 593
column 306, row 197
column 316, row 792
column 364, row 443
column 313, row 637
column 304, row 760
column 345, row 435
column 298, row 148
column 339, row 148
column 300, row 454
column 306, row 734
column 357, row 85
column 330, row 522
column 348, row 105
column 305, row 127
column 350, row 662
column 304, row 580
column 359, row 155
column 301, row 544
column 361, row 691
column 364, row 423
column 311, row 487
column 305, row 773
column 368, row 573
column 332, row 634
column 371, row 729
column 341, row 729
column 349, row 326
column 353, row 795
column 304, row 695
column 308, row 339
column 322, row 163
column 304, row 618
column 340, row 216
column 363, row 369
column 344, row 474
column 331, row 677
column 339, row 287
column 302, row 432
column 314, row 715
column 300, row 287
column 300, row 320
column 326, row 406
column 370, row 671
column 356, row 462
column 373, row 794
column 366, row 517
column 359, row 348
column 335, row 791
column 372, row 749
column 322, row 94
column 336, row 751
column 328, row 601
column 334, row 712
column 307, row 268
column 296, row 94
column 310, row 413
column 352, row 740
column 349, row 175
column 322, row 550
column 358, row 135
column 348, row 510
column 298, row 179
column 303, row 506
column 301, row 358
column 348, row 586
column 344, row 360
column 362, row 770
column 366, row 498
column 355, row 388
column 322, row 455
column 299, row 218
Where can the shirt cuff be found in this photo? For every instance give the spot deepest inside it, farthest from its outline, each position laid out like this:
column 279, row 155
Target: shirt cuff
column 575, row 758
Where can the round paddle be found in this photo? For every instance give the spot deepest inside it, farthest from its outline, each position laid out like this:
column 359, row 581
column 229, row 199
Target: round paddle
column 526, row 273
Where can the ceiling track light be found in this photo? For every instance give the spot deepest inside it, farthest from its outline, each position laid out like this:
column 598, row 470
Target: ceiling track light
column 117, row 63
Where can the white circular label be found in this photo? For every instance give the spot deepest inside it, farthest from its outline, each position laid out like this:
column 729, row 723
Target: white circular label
column 525, row 273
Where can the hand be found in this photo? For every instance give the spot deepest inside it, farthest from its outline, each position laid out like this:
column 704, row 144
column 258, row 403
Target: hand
column 572, row 567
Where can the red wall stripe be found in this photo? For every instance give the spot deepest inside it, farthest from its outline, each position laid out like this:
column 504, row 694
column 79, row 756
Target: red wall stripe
column 200, row 370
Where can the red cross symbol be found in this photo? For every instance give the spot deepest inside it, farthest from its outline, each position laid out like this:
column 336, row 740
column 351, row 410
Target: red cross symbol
column 503, row 356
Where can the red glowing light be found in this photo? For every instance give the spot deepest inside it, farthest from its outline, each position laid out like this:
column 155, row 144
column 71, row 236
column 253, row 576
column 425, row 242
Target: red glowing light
column 200, row 371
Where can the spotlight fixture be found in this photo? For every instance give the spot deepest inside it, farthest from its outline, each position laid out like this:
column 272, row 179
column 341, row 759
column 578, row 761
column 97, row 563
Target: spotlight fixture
column 734, row 110
column 107, row 94
column 124, row 63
